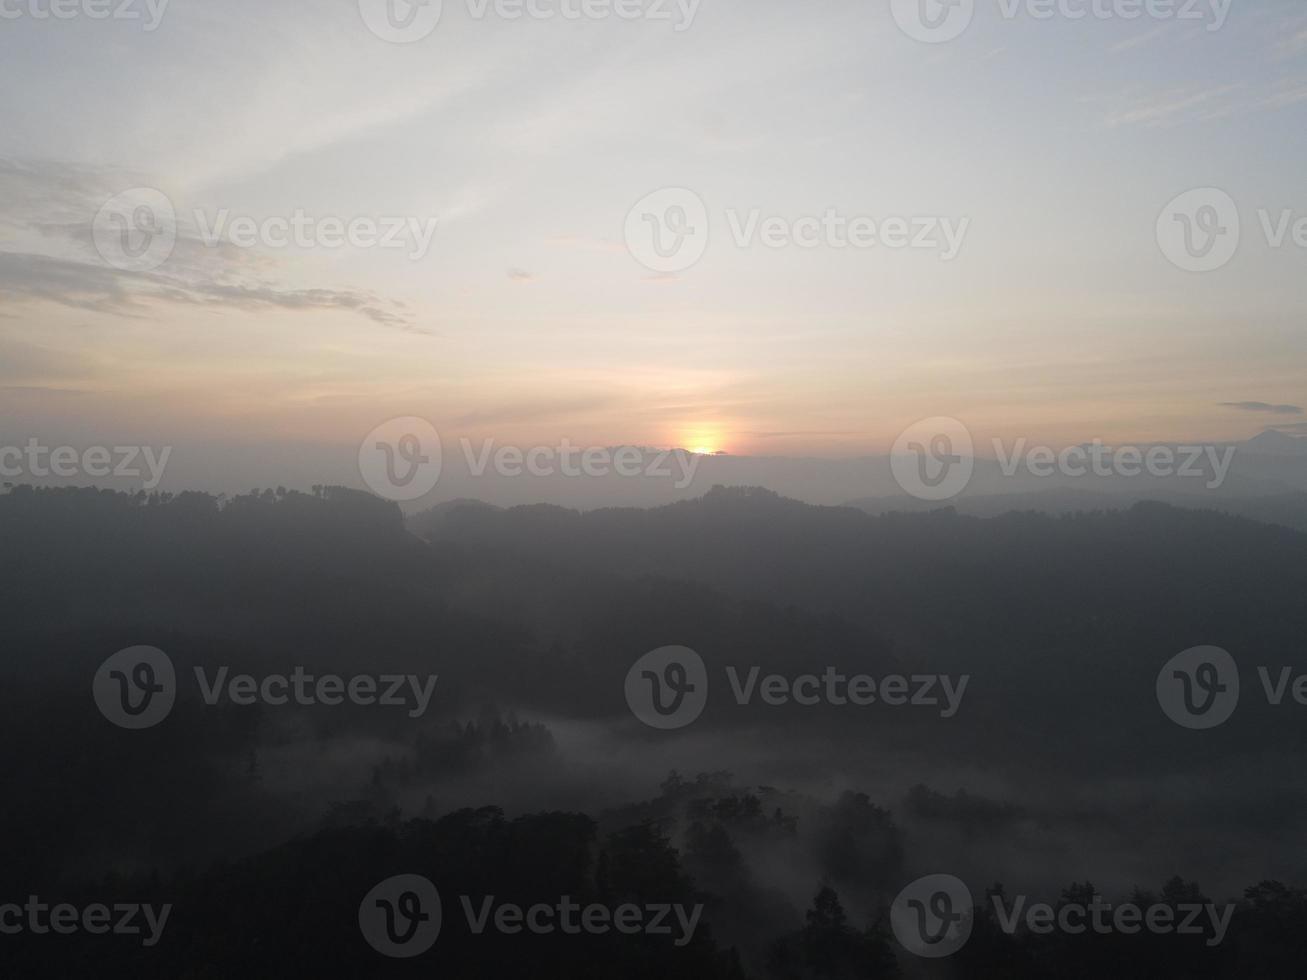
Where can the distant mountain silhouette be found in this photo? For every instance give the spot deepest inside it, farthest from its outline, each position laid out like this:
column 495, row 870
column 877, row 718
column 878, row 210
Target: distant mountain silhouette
column 1273, row 442
column 1288, row 509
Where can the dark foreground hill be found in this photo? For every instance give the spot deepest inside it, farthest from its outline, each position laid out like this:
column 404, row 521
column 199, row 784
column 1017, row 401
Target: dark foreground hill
column 262, row 821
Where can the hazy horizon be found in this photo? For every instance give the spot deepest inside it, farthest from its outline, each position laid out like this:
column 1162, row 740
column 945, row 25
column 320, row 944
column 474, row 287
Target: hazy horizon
column 524, row 315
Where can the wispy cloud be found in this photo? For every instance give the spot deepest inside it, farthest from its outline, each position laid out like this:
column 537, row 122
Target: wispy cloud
column 1268, row 89
column 1178, row 106
column 1295, row 43
column 1139, row 40
column 1285, row 93
column 1263, row 407
column 532, row 411
column 49, row 208
column 805, row 433
column 102, row 289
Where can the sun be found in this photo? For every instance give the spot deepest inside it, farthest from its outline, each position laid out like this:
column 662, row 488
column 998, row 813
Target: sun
column 703, row 440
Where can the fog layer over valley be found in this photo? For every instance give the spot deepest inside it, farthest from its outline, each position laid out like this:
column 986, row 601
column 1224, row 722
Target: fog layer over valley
column 1038, row 757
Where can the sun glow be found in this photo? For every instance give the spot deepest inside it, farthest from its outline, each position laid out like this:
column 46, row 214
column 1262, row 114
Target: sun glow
column 703, row 440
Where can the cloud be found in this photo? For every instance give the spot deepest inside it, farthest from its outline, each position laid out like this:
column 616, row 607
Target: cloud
column 532, row 411
column 1295, row 44
column 1140, row 39
column 1263, row 407
column 1294, row 38
column 276, row 95
column 1178, row 106
column 48, row 209
column 804, row 433
column 1287, row 92
column 520, row 275
column 101, row 289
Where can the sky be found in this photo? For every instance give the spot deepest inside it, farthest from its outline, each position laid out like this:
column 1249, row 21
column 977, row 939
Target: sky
column 1049, row 145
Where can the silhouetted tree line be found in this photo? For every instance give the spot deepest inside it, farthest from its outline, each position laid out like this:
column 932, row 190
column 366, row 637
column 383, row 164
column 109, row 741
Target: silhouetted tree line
column 1063, row 620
